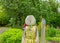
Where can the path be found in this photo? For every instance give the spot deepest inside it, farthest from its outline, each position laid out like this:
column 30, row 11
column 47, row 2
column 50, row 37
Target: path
column 3, row 29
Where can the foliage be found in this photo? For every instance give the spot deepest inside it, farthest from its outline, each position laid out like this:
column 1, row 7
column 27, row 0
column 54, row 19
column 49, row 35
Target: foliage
column 57, row 39
column 11, row 36
column 57, row 33
column 51, row 32
column 19, row 9
column 57, row 21
column 3, row 16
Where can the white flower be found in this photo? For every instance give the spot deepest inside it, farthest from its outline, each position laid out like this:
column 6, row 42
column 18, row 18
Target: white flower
column 30, row 20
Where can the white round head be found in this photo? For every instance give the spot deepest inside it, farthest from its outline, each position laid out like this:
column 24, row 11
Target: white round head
column 43, row 21
column 30, row 20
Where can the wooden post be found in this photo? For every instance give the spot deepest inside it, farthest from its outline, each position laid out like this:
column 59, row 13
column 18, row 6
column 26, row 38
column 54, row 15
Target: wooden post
column 43, row 23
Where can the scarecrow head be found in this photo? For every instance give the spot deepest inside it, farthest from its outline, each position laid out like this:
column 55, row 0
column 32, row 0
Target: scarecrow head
column 30, row 20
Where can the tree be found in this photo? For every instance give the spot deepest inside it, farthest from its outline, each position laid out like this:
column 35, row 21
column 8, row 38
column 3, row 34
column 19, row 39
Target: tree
column 19, row 9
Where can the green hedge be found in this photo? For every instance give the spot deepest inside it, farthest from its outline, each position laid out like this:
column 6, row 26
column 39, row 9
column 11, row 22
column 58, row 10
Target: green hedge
column 57, row 39
column 11, row 36
column 3, row 16
column 57, row 33
column 51, row 32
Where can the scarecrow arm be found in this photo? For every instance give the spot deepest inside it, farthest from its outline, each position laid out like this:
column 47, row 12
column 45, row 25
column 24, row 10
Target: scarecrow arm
column 37, row 36
column 23, row 37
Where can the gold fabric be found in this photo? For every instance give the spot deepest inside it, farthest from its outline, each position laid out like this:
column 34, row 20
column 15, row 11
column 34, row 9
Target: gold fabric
column 30, row 34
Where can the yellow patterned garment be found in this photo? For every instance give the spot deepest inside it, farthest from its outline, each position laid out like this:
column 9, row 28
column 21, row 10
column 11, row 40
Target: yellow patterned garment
column 30, row 34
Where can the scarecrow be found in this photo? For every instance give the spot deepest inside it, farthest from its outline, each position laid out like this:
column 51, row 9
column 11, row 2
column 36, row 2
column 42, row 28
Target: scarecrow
column 30, row 34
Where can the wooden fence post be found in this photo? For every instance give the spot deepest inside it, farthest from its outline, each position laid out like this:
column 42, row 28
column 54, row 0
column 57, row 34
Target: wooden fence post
column 43, row 24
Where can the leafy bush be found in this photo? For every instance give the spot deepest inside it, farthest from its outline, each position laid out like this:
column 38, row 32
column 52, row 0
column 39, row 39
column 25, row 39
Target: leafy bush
column 57, row 33
column 18, row 10
column 51, row 32
column 57, row 39
column 11, row 36
column 3, row 16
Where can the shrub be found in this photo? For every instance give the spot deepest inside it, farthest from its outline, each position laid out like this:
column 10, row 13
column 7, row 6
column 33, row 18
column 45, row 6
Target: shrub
column 57, row 33
column 51, row 32
column 3, row 16
column 57, row 39
column 11, row 36
column 20, row 9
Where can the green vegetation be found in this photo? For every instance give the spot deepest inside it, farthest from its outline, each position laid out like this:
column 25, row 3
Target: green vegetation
column 56, row 39
column 14, row 12
column 57, row 33
column 51, row 32
column 19, row 9
column 11, row 36
column 53, row 35
column 3, row 16
column 14, row 35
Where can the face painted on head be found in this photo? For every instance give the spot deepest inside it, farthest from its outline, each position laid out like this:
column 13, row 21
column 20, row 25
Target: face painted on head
column 30, row 20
